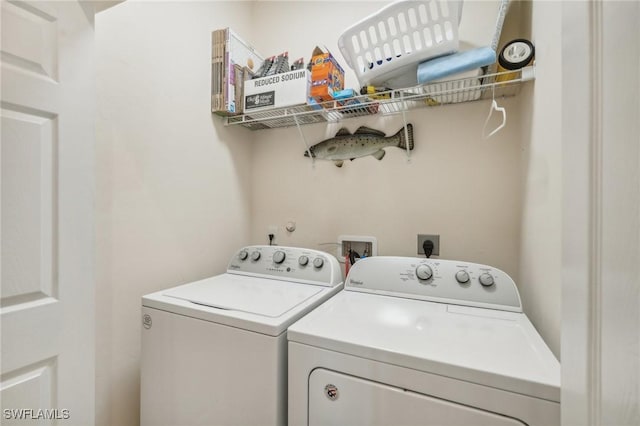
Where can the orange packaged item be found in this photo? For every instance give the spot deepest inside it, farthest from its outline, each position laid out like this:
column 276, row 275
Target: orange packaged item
column 327, row 76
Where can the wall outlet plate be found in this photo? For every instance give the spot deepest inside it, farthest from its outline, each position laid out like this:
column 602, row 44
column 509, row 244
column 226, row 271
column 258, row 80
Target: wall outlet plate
column 360, row 243
column 436, row 243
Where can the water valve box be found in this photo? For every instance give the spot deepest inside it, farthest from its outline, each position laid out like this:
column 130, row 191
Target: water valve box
column 365, row 246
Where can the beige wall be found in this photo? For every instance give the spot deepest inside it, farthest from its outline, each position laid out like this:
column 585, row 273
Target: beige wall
column 456, row 185
column 541, row 163
column 172, row 193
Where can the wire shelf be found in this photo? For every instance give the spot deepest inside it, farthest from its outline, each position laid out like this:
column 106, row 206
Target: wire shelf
column 391, row 102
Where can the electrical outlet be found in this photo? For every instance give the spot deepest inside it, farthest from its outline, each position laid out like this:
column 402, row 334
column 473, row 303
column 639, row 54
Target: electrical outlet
column 436, row 243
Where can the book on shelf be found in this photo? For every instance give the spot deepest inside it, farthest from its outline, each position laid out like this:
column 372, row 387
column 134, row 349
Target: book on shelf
column 232, row 62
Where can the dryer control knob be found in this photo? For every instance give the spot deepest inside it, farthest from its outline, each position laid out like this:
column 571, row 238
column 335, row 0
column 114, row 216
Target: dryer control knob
column 243, row 255
column 318, row 262
column 255, row 255
column 424, row 272
column 486, row 279
column 303, row 260
column 278, row 257
column 462, row 277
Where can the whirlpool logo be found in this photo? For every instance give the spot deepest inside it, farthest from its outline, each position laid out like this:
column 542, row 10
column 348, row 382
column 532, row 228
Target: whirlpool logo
column 355, row 282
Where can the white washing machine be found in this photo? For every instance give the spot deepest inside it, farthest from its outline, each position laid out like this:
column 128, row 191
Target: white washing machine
column 214, row 352
column 422, row 342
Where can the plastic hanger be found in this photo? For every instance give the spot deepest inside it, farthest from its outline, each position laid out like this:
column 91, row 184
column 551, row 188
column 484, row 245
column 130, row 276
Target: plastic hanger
column 494, row 107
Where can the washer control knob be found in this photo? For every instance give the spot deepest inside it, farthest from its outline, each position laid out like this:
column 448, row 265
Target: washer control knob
column 255, row 255
column 462, row 277
column 318, row 262
column 279, row 256
column 303, row 260
column 243, row 255
column 424, row 272
column 486, row 279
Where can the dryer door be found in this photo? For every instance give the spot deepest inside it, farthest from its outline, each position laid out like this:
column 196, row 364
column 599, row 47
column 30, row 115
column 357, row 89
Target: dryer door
column 340, row 399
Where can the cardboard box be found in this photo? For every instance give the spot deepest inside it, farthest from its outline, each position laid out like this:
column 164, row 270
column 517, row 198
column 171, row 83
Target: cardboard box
column 327, row 76
column 276, row 91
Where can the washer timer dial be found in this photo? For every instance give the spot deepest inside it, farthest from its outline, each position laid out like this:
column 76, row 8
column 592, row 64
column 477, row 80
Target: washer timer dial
column 424, row 272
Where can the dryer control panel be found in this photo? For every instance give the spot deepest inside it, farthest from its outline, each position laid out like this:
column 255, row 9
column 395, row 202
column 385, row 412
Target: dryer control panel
column 289, row 263
column 438, row 280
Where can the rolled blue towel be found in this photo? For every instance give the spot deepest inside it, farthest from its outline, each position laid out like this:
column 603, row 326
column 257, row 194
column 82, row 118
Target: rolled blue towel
column 455, row 63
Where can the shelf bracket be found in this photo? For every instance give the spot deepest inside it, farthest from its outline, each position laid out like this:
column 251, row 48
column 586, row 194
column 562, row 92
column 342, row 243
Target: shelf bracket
column 304, row 140
column 406, row 130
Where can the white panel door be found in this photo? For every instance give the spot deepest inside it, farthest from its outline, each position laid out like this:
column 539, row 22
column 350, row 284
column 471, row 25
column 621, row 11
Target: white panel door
column 47, row 287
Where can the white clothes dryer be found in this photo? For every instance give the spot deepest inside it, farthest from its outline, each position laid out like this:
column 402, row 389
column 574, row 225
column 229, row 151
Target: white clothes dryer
column 422, row 342
column 214, row 352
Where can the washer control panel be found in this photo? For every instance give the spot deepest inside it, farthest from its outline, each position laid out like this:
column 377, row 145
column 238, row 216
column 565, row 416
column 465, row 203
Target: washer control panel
column 438, row 280
column 287, row 263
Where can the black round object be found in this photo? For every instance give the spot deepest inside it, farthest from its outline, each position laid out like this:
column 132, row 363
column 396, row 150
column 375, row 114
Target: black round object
column 516, row 54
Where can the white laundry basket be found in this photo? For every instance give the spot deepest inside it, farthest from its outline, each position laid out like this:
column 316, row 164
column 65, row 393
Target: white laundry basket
column 385, row 48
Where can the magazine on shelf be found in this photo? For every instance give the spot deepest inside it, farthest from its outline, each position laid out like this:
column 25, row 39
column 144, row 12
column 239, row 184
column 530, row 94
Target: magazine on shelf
column 232, row 62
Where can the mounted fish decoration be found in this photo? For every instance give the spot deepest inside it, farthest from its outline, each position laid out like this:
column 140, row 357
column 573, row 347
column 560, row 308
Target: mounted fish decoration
column 365, row 141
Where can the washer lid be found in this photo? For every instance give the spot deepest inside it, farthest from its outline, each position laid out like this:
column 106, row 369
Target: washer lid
column 259, row 296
